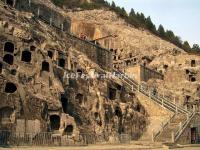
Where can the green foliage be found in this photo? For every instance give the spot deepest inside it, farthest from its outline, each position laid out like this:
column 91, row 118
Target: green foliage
column 161, row 31
column 196, row 47
column 186, row 46
column 149, row 25
column 136, row 19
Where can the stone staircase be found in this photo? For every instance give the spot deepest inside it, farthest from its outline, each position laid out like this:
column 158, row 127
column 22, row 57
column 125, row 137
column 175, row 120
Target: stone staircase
column 167, row 133
column 173, row 128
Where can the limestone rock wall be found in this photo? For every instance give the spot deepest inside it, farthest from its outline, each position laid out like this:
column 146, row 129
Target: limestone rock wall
column 34, row 61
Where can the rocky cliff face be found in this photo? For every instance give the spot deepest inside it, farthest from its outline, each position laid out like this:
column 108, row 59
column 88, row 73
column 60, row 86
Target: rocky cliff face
column 36, row 96
column 131, row 46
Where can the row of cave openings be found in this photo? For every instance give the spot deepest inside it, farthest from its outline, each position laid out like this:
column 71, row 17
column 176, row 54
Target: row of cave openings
column 9, row 49
column 55, row 119
column 55, row 125
column 26, row 56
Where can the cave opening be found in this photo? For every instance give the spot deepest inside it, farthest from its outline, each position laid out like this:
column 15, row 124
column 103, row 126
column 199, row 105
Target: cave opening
column 8, row 59
column 45, row 66
column 32, row 48
column 55, row 122
column 187, row 71
column 13, row 71
column 61, row 63
column 64, row 102
column 193, row 79
column 9, row 47
column 5, row 115
column 1, row 67
column 50, row 54
column 10, row 87
column 69, row 130
column 112, row 93
column 79, row 97
column 165, row 67
column 193, row 63
column 26, row 56
column 96, row 115
column 118, row 112
column 10, row 2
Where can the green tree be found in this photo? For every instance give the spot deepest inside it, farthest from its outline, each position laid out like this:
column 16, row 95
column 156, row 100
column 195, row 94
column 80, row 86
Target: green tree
column 186, row 46
column 195, row 47
column 132, row 13
column 149, row 24
column 161, row 31
column 113, row 6
column 170, row 35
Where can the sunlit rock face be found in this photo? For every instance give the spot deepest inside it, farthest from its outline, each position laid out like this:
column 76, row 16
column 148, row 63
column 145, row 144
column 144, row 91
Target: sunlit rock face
column 37, row 97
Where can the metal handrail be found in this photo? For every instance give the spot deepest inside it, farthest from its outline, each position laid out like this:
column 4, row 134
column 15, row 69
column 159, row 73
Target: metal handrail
column 164, row 126
column 185, row 124
column 166, row 103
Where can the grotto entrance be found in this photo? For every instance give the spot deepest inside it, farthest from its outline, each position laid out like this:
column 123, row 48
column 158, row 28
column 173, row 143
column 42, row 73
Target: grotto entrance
column 54, row 122
column 5, row 115
column 193, row 63
column 64, row 102
column 194, row 135
column 45, row 66
column 8, row 59
column 69, row 130
column 9, row 47
column 10, row 87
column 112, row 93
column 50, row 54
column 10, row 2
column 26, row 56
column 61, row 63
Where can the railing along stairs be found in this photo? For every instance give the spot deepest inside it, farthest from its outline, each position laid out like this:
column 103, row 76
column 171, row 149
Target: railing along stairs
column 161, row 100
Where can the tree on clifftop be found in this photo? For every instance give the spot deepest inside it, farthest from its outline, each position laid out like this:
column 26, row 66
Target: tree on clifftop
column 186, row 46
column 161, row 31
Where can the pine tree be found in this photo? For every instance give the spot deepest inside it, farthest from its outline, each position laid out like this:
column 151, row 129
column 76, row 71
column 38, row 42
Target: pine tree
column 149, row 24
column 186, row 46
column 161, row 31
column 196, row 47
column 170, row 35
column 132, row 13
column 113, row 6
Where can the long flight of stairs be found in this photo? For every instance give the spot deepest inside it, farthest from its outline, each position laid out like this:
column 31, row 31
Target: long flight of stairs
column 171, row 130
column 174, row 125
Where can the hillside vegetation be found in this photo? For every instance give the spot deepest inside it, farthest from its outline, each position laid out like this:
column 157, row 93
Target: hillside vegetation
column 138, row 20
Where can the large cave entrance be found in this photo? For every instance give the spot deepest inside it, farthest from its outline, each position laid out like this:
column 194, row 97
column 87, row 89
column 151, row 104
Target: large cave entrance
column 193, row 63
column 5, row 115
column 26, row 56
column 54, row 122
column 10, row 2
column 61, row 63
column 112, row 93
column 69, row 130
column 45, row 66
column 9, row 47
column 194, row 135
column 10, row 87
column 8, row 59
column 64, row 102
